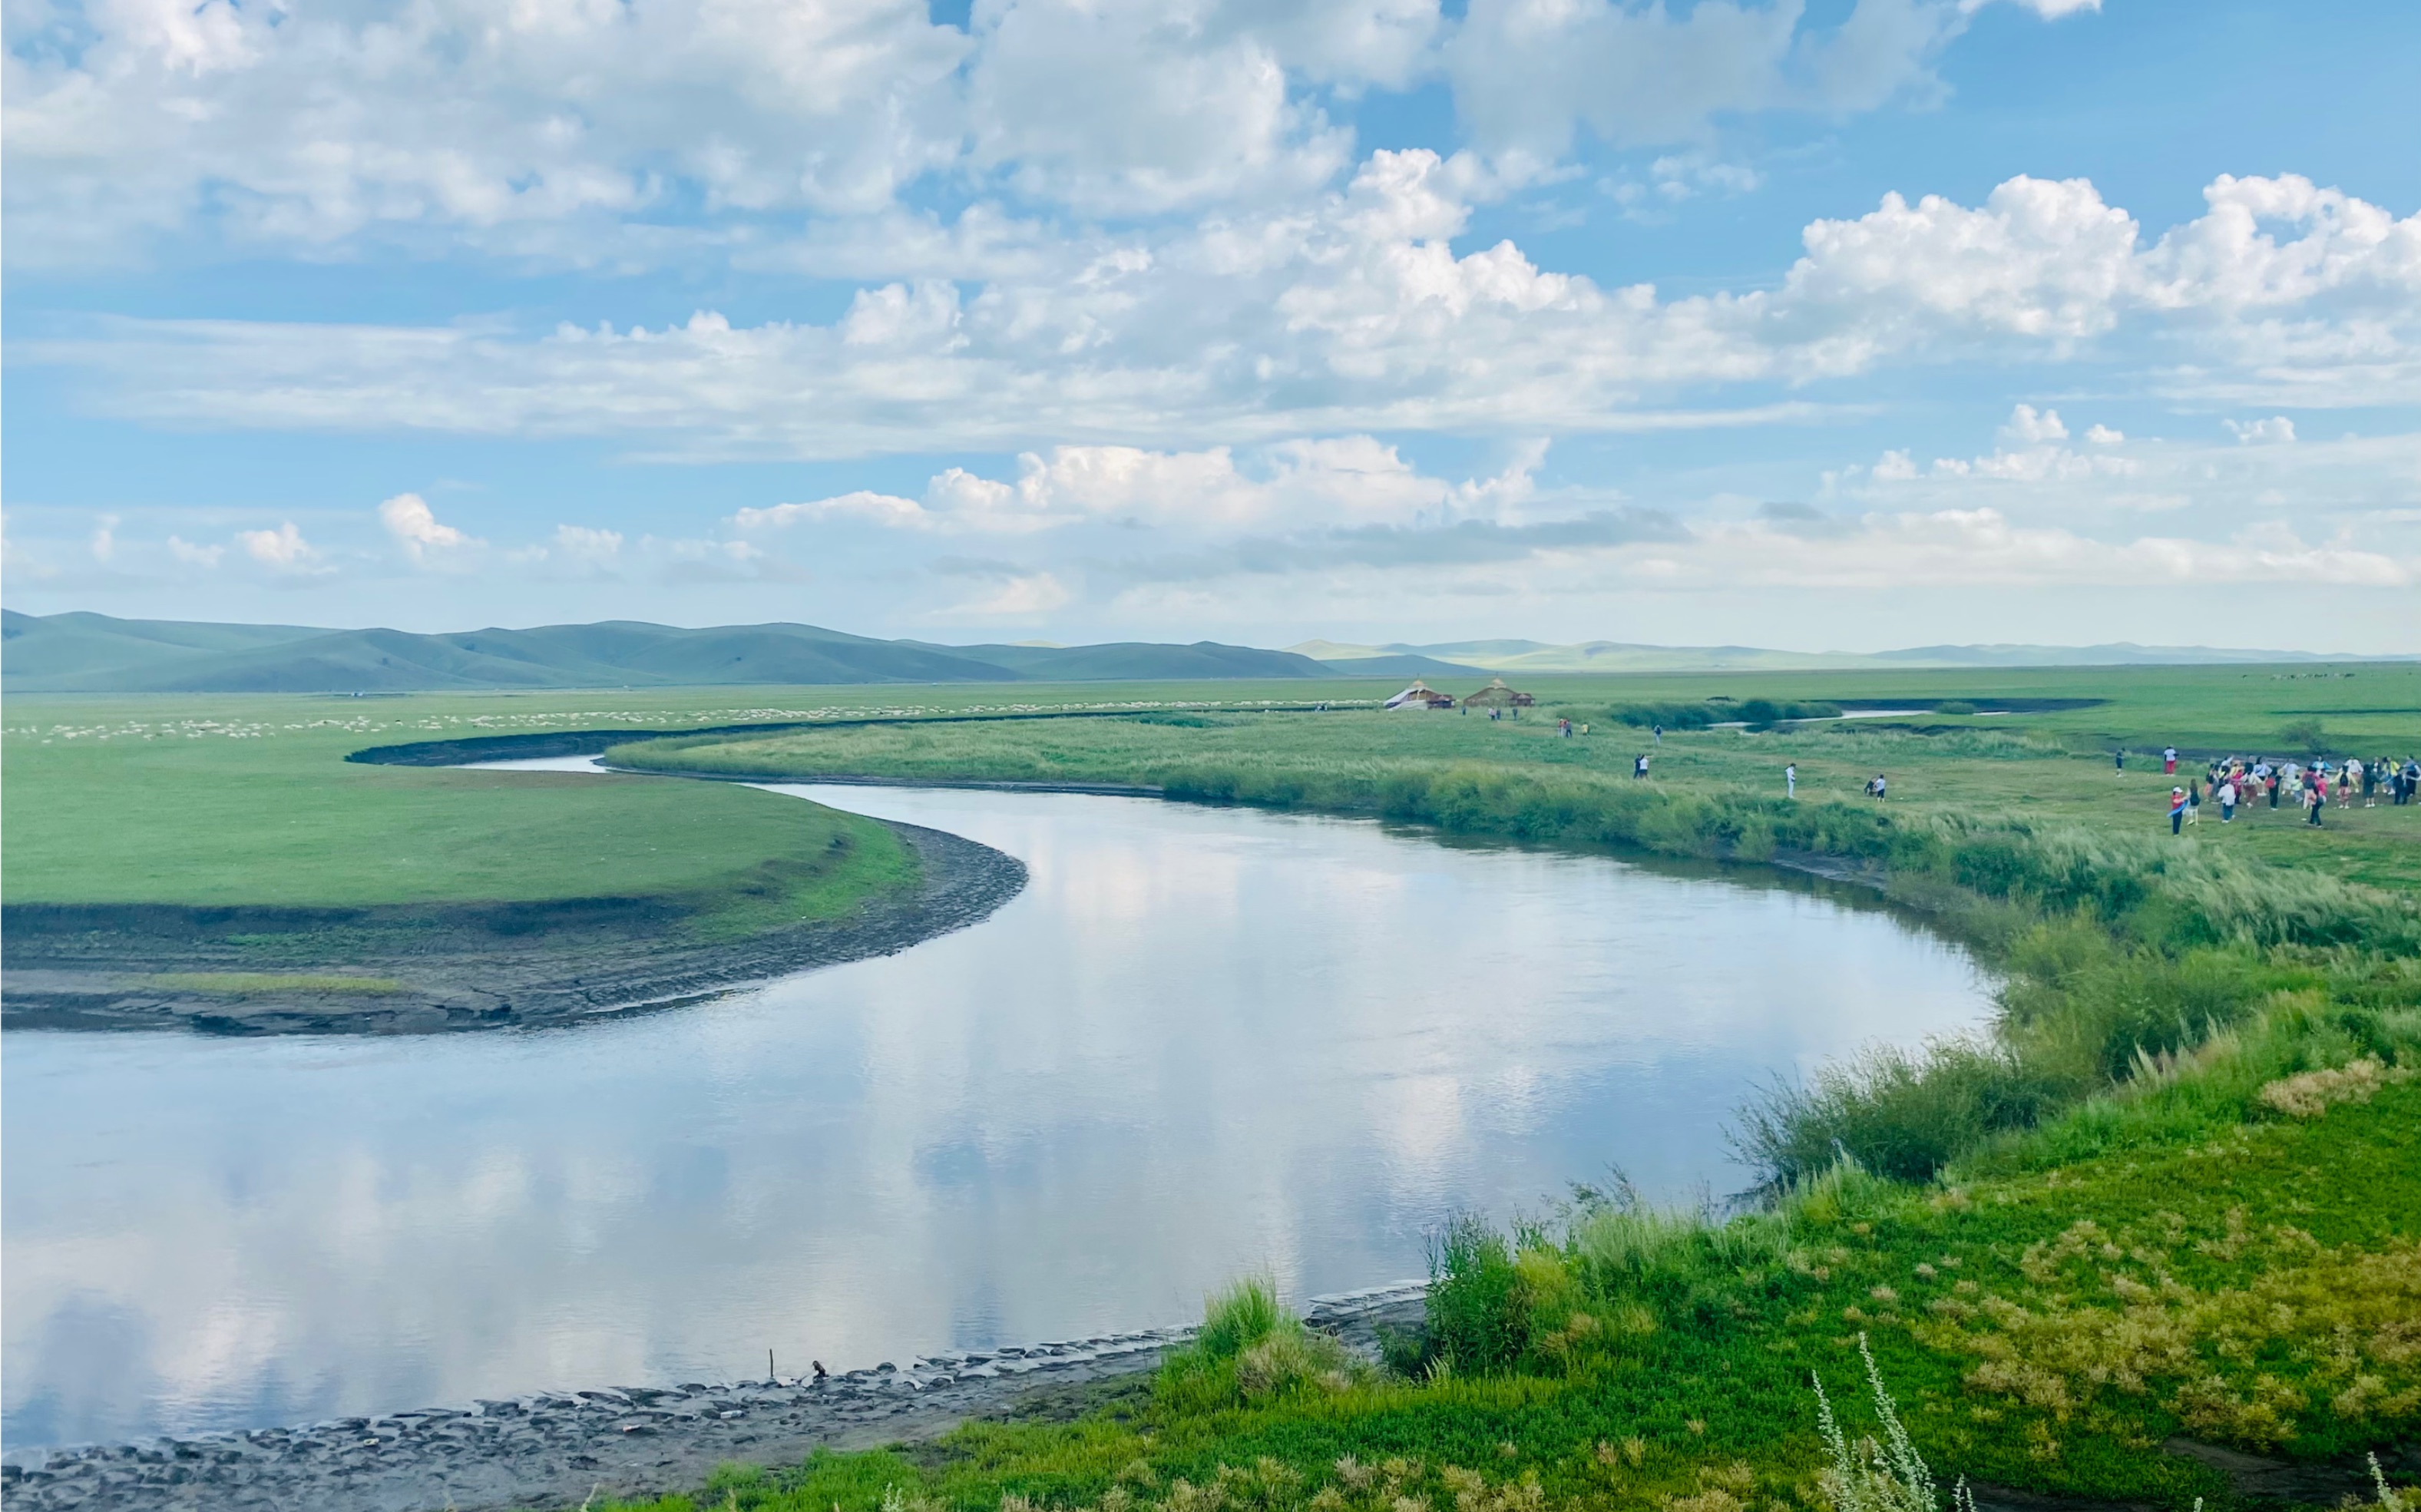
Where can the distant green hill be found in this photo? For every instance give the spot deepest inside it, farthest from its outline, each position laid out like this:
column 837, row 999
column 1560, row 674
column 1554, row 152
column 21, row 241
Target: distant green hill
column 94, row 653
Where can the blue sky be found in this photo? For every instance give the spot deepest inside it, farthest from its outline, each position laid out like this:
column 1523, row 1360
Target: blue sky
column 1833, row 325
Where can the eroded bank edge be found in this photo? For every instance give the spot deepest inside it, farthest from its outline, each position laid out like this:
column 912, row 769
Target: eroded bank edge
column 553, row 1448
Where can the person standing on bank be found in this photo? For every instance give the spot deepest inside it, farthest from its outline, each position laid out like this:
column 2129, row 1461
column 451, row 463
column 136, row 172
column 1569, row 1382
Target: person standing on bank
column 2121, row 758
column 2176, row 810
column 1790, row 780
column 2168, row 761
column 2225, row 793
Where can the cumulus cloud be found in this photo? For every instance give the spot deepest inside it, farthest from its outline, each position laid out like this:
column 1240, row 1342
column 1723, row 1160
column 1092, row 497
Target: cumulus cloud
column 282, row 550
column 415, row 527
column 195, row 556
column 629, row 135
column 1357, row 315
column 2274, row 431
column 1301, row 482
column 1527, row 75
column 2027, row 424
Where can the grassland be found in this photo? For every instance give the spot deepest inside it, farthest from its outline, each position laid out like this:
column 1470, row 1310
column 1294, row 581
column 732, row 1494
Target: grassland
column 2046, row 767
column 2173, row 1202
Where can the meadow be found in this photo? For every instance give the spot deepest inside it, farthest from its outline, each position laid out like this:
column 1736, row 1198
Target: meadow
column 2168, row 1210
column 2171, row 1201
column 247, row 800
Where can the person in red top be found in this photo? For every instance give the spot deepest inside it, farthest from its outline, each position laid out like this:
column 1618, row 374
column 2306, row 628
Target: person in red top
column 2176, row 810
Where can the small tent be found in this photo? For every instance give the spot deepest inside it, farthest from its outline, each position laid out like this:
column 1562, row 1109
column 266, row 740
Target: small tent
column 1422, row 697
column 1497, row 695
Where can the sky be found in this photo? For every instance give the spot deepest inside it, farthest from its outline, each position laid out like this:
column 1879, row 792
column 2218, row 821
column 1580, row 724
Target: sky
column 1814, row 324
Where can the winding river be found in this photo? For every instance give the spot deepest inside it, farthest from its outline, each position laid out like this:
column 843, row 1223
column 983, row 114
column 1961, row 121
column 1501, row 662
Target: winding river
column 1202, row 1041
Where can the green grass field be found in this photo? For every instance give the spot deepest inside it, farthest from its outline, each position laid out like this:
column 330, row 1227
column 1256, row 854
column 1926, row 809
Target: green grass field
column 2178, row 1191
column 2049, row 766
column 249, row 802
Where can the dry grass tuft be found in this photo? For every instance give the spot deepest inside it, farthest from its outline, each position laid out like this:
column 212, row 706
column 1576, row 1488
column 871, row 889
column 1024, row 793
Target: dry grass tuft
column 2312, row 1093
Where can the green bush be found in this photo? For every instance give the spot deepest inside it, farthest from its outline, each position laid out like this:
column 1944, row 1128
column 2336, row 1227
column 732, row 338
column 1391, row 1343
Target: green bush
column 1249, row 1349
column 1479, row 1310
column 1247, row 1312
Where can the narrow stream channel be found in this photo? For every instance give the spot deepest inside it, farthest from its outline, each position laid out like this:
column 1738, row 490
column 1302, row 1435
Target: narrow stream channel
column 1202, row 1041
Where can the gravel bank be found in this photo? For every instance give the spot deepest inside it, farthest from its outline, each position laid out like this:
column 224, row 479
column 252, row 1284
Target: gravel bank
column 553, row 1451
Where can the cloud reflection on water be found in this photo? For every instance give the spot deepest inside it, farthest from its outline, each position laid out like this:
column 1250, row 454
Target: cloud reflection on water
column 1202, row 1041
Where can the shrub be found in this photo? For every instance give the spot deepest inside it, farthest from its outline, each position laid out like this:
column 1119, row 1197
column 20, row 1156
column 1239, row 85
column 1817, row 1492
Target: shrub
column 1478, row 1309
column 1956, row 708
column 1251, row 1348
column 1239, row 1317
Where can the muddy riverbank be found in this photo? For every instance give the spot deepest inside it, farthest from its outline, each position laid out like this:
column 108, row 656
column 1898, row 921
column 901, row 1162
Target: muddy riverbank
column 551, row 1451
column 435, row 970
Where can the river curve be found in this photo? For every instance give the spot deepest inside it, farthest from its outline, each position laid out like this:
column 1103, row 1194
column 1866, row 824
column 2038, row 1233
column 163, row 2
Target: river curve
column 1202, row 1041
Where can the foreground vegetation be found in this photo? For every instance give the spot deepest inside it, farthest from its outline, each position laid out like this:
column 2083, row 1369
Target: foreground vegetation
column 2175, row 1194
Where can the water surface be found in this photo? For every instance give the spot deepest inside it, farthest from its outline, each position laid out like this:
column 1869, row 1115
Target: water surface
column 1202, row 1041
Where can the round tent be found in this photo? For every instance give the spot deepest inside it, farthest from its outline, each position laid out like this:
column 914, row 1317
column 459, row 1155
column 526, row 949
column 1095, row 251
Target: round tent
column 1497, row 695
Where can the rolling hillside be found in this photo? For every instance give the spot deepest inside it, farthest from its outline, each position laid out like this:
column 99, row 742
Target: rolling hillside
column 94, row 653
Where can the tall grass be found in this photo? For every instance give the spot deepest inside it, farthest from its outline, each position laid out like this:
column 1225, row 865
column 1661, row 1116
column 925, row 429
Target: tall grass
column 1251, row 1348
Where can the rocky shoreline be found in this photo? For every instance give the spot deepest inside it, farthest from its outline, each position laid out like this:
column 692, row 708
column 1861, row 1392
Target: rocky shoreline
column 554, row 1450
column 503, row 966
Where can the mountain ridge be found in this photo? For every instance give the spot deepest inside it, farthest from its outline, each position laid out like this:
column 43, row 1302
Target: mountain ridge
column 85, row 652
column 95, row 653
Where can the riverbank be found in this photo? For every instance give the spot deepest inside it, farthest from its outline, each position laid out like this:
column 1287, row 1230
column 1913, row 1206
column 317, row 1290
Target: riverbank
column 549, row 1450
column 421, row 968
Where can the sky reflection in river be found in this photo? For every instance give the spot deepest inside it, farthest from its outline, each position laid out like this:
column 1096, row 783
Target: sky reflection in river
column 1202, row 1041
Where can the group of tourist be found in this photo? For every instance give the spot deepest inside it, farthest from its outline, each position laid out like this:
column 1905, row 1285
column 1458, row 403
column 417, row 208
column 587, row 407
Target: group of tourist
column 2303, row 785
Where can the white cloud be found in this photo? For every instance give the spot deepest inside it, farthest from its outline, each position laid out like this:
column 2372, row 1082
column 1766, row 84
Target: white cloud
column 1984, row 547
column 585, row 544
column 1354, row 315
column 283, row 549
column 104, row 540
column 2274, row 431
column 1340, row 480
column 415, row 527
column 1124, row 107
column 2027, row 424
column 193, row 555
column 631, row 136
column 2047, row 10
column 1527, row 74
column 2105, row 436
column 311, row 124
